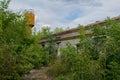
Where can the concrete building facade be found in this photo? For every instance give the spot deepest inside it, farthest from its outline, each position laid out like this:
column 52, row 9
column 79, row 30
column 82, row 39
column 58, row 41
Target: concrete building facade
column 71, row 35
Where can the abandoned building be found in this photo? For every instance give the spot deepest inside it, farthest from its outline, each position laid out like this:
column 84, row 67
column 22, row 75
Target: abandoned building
column 71, row 35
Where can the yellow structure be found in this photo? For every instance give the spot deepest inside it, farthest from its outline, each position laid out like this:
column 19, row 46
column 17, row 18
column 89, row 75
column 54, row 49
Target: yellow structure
column 31, row 18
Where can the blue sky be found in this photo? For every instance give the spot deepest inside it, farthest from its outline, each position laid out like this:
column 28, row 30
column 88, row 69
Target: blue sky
column 67, row 13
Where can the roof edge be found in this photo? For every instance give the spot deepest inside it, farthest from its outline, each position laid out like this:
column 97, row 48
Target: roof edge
column 86, row 26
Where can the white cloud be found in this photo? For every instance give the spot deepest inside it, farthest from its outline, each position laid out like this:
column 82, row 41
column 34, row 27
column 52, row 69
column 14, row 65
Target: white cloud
column 108, row 9
column 56, row 12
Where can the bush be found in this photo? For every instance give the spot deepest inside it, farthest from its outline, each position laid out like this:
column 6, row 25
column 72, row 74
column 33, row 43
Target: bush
column 19, row 49
column 98, row 59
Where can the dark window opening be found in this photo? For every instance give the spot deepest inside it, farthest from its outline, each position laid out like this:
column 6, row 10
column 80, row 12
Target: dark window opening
column 58, row 43
column 43, row 44
column 78, row 48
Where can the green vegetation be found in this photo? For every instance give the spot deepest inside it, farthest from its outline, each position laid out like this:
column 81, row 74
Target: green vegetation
column 96, row 58
column 19, row 49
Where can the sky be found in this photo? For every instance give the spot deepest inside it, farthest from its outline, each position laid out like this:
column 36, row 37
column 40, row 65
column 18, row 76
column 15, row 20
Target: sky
column 67, row 13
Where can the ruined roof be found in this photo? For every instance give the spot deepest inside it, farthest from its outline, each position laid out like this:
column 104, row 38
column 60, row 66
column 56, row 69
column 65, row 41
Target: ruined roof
column 86, row 26
column 77, row 29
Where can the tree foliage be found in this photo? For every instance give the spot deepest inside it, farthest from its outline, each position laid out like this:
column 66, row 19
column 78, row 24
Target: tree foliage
column 98, row 57
column 19, row 49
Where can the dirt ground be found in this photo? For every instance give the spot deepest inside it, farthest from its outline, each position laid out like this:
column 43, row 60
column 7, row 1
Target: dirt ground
column 38, row 74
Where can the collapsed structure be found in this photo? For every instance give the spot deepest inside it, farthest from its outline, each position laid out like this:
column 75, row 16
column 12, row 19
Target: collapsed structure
column 71, row 35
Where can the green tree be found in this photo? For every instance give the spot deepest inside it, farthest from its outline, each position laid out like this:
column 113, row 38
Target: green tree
column 98, row 57
column 57, row 30
column 19, row 49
